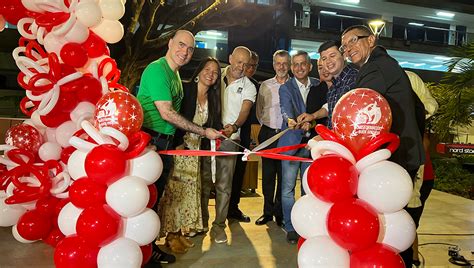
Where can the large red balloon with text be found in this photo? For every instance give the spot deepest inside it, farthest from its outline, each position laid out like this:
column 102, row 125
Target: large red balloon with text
column 105, row 164
column 379, row 255
column 353, row 224
column 361, row 115
column 332, row 178
column 120, row 110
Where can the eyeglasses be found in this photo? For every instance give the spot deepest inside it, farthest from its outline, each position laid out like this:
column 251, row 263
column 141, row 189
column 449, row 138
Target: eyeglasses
column 352, row 42
column 252, row 65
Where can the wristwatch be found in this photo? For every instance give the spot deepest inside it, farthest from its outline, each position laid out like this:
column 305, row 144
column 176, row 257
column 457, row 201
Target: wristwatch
column 235, row 127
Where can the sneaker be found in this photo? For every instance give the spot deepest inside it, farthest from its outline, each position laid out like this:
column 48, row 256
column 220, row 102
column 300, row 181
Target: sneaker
column 292, row 237
column 219, row 235
column 159, row 256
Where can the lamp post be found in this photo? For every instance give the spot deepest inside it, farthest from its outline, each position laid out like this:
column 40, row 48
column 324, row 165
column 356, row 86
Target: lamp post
column 376, row 26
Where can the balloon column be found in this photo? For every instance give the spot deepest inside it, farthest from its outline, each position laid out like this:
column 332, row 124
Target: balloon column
column 78, row 174
column 353, row 213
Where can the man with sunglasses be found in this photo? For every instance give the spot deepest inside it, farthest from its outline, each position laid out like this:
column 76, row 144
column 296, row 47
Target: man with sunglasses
column 380, row 72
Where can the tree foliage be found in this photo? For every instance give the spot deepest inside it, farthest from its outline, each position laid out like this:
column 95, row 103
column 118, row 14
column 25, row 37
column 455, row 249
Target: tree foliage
column 455, row 94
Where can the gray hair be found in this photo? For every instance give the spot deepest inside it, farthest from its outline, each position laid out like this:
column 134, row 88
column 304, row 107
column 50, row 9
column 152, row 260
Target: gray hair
column 301, row 53
column 281, row 53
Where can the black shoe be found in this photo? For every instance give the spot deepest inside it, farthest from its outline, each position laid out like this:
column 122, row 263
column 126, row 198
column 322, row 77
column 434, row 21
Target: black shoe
column 263, row 220
column 238, row 215
column 159, row 256
column 279, row 221
column 292, row 237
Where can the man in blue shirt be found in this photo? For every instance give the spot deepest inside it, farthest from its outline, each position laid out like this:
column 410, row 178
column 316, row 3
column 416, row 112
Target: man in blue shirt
column 344, row 79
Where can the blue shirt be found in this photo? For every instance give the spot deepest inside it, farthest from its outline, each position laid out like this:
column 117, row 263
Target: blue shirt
column 340, row 86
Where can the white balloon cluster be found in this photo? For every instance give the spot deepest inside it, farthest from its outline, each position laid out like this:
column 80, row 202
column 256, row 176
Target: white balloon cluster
column 384, row 185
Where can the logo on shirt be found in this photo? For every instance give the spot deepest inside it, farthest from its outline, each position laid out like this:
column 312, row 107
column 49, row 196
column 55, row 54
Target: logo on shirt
column 367, row 119
column 239, row 90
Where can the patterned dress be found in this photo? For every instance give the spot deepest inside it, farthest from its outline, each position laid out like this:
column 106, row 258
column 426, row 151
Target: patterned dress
column 180, row 206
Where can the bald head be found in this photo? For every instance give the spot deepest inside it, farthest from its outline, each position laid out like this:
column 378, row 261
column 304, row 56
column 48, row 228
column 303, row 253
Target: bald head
column 180, row 49
column 239, row 59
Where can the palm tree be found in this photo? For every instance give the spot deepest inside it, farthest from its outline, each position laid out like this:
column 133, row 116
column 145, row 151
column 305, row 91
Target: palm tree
column 455, row 94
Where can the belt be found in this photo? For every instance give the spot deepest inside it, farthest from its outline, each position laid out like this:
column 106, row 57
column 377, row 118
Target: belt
column 275, row 130
column 158, row 134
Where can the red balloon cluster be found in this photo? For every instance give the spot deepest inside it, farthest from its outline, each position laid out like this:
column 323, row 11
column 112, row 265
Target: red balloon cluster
column 359, row 116
column 120, row 110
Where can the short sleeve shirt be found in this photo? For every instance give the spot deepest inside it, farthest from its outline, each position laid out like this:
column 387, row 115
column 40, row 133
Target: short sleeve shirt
column 159, row 83
column 233, row 95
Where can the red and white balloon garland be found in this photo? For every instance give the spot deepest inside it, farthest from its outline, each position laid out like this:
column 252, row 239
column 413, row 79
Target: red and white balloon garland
column 352, row 215
column 85, row 190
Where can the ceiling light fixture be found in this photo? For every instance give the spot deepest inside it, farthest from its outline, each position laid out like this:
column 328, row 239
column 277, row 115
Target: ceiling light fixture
column 416, row 24
column 445, row 14
column 351, row 1
column 376, row 26
column 328, row 12
column 214, row 33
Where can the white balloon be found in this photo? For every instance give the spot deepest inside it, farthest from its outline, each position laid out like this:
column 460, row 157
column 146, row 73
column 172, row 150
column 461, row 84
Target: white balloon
column 321, row 251
column 147, row 166
column 31, row 5
column 50, row 134
column 67, row 219
column 143, row 228
column 49, row 151
column 77, row 34
column 399, row 230
column 19, row 238
column 83, row 111
column 53, row 43
column 35, row 117
column 112, row 9
column 88, row 13
column 128, row 196
column 386, row 186
column 9, row 214
column 121, row 252
column 64, row 132
column 75, row 165
column 309, row 216
column 111, row 31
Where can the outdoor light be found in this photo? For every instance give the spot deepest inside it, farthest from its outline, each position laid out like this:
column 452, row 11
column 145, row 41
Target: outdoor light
column 416, row 24
column 445, row 14
column 376, row 26
column 328, row 12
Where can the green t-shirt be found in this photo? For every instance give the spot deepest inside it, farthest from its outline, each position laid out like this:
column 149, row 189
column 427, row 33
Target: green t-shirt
column 159, row 83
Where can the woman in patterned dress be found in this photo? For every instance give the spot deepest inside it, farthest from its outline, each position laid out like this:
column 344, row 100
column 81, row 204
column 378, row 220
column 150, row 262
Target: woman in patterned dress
column 180, row 207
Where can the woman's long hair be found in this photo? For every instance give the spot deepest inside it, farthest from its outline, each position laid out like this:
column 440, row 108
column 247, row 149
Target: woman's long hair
column 213, row 95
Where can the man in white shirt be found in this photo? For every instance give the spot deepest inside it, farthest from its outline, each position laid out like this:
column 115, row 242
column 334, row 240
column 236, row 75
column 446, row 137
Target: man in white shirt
column 237, row 94
column 268, row 113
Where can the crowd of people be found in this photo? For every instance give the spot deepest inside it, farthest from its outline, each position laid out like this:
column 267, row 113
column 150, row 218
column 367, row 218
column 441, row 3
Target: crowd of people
column 222, row 103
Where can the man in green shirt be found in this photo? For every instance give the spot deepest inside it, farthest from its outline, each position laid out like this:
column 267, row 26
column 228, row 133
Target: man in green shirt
column 160, row 95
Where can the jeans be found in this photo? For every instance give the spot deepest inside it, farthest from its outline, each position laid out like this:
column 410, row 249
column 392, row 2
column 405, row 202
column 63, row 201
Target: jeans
column 163, row 144
column 290, row 171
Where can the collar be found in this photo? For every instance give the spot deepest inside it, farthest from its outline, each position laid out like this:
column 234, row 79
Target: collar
column 301, row 85
column 347, row 71
column 287, row 78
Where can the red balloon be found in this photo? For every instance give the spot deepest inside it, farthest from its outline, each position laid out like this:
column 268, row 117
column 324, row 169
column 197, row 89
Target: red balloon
column 300, row 242
column 54, row 237
column 99, row 225
column 13, row 11
column 90, row 89
column 379, row 255
column 84, row 193
column 24, row 136
column 353, row 224
column 153, row 195
column 74, row 54
column 66, row 153
column 332, row 178
column 120, row 110
column 361, row 115
column 47, row 205
column 74, row 252
column 95, row 46
column 34, row 225
column 55, row 118
column 105, row 164
column 146, row 252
